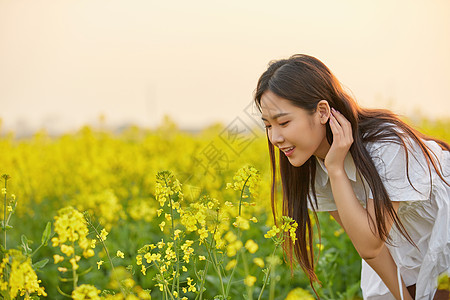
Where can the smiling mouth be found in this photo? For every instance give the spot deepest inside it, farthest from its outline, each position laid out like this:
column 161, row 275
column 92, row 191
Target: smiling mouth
column 289, row 150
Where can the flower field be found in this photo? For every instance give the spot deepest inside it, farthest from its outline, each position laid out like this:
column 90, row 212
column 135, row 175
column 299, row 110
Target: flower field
column 156, row 214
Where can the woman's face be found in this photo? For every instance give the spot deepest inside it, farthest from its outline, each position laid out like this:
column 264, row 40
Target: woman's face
column 294, row 130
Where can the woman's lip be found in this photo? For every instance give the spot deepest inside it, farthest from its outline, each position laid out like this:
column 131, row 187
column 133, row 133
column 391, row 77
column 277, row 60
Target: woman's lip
column 288, row 153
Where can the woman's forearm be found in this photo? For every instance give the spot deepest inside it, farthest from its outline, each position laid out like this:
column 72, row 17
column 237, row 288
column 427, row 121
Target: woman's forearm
column 355, row 217
column 386, row 268
column 384, row 265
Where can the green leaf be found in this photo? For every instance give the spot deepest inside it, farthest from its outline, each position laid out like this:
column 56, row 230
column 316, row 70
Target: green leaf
column 25, row 246
column 40, row 264
column 46, row 234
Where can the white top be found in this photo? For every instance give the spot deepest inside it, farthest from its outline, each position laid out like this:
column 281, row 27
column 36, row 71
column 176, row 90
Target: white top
column 424, row 212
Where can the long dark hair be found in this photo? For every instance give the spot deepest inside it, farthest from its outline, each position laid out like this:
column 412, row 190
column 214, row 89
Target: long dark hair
column 305, row 80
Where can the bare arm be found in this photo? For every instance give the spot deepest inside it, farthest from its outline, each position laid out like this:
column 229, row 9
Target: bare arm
column 385, row 267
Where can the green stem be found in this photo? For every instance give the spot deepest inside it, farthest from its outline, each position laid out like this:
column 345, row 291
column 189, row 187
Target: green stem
column 207, row 262
column 239, row 237
column 242, row 192
column 203, row 281
column 4, row 214
column 74, row 272
column 37, row 249
column 214, row 259
column 249, row 289
column 109, row 257
column 177, row 276
column 269, row 270
column 272, row 286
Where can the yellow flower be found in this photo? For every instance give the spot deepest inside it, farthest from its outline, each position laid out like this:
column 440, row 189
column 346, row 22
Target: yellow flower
column 249, row 280
column 259, row 262
column 67, row 250
column 246, row 176
column 299, row 294
column 272, row 232
column 88, row 253
column 191, row 287
column 230, row 265
column 62, row 270
column 184, row 269
column 251, row 246
column 99, row 263
column 70, row 226
column 254, row 220
column 120, row 254
column 161, row 225
column 22, row 277
column 203, row 233
column 175, row 294
column 230, row 237
column 86, row 291
column 161, row 244
column 9, row 208
column 338, row 232
column 58, row 258
column 168, row 217
column 176, row 233
column 228, row 203
column 4, row 191
column 139, row 260
column 159, row 211
column 233, row 248
column 143, row 269
column 103, row 235
column 201, row 257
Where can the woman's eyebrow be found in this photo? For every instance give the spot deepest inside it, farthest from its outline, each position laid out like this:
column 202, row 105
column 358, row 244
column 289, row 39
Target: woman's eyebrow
column 274, row 117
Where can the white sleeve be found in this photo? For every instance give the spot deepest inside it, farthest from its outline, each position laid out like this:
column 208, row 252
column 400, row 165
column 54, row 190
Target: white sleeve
column 391, row 163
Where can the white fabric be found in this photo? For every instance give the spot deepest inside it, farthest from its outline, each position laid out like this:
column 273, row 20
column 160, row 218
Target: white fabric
column 424, row 212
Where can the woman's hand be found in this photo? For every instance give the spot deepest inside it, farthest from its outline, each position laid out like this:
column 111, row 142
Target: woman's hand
column 342, row 140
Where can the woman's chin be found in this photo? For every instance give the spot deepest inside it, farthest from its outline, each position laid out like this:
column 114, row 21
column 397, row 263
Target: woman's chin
column 296, row 162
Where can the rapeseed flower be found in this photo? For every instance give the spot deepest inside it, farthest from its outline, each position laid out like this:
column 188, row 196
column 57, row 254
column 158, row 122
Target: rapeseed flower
column 230, row 265
column 120, row 254
column 246, row 176
column 22, row 278
column 241, row 223
column 259, row 262
column 86, row 291
column 99, row 263
column 167, row 186
column 299, row 294
column 251, row 246
column 191, row 287
column 249, row 280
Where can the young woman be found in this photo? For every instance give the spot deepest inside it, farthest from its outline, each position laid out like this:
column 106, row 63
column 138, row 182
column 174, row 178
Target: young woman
column 385, row 183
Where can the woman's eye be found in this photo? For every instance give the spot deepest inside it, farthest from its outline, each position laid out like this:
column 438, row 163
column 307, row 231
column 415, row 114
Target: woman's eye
column 267, row 126
column 284, row 123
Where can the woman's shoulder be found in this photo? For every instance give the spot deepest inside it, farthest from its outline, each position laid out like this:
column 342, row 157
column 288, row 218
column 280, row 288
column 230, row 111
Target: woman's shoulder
column 394, row 139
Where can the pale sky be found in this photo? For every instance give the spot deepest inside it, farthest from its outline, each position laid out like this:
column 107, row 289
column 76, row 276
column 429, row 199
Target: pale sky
column 64, row 63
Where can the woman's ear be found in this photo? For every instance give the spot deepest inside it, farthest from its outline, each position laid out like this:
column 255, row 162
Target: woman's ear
column 324, row 111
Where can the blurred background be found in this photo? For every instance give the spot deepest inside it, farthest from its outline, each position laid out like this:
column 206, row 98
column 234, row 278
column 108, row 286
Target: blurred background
column 64, row 64
column 93, row 94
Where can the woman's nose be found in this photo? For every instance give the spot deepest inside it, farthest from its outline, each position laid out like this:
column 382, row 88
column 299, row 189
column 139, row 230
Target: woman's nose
column 276, row 137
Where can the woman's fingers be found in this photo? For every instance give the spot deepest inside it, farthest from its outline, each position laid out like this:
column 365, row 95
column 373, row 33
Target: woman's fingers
column 341, row 126
column 336, row 128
